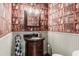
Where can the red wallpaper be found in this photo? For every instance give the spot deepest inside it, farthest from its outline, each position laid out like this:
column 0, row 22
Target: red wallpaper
column 16, row 18
column 63, row 17
column 5, row 18
column 57, row 17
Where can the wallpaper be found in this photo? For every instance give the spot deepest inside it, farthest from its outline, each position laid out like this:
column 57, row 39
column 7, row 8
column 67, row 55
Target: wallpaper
column 56, row 17
column 64, row 17
column 5, row 18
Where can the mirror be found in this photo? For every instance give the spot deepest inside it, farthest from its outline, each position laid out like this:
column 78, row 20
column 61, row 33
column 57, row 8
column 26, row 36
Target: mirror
column 32, row 17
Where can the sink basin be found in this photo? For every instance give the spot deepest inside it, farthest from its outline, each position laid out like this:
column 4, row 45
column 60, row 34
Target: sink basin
column 35, row 38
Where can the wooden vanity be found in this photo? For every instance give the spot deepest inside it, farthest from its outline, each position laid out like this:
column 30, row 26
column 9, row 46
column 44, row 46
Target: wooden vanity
column 34, row 46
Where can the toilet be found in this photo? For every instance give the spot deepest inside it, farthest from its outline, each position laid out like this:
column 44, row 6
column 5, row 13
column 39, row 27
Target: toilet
column 75, row 53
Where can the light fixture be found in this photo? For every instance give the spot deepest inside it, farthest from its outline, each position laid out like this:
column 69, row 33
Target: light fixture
column 30, row 10
column 37, row 12
column 33, row 11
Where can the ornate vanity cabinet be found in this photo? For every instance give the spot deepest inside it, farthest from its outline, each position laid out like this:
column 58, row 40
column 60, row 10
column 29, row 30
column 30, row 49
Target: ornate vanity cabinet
column 34, row 46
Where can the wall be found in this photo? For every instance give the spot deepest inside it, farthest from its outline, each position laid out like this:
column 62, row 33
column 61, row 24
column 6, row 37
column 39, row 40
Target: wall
column 44, row 34
column 64, row 17
column 5, row 18
column 63, row 24
column 63, row 43
column 6, row 45
column 5, row 29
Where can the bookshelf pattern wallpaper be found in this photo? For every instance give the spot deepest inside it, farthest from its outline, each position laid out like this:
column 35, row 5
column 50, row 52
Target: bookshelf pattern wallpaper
column 56, row 17
column 64, row 17
column 5, row 18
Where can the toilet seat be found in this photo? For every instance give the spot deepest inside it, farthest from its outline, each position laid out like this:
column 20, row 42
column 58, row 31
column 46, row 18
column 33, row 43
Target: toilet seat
column 75, row 53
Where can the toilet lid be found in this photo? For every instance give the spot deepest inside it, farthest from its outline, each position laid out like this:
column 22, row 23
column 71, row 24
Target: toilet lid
column 75, row 53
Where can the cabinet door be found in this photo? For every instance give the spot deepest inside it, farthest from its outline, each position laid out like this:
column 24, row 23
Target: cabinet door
column 30, row 48
column 39, row 48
